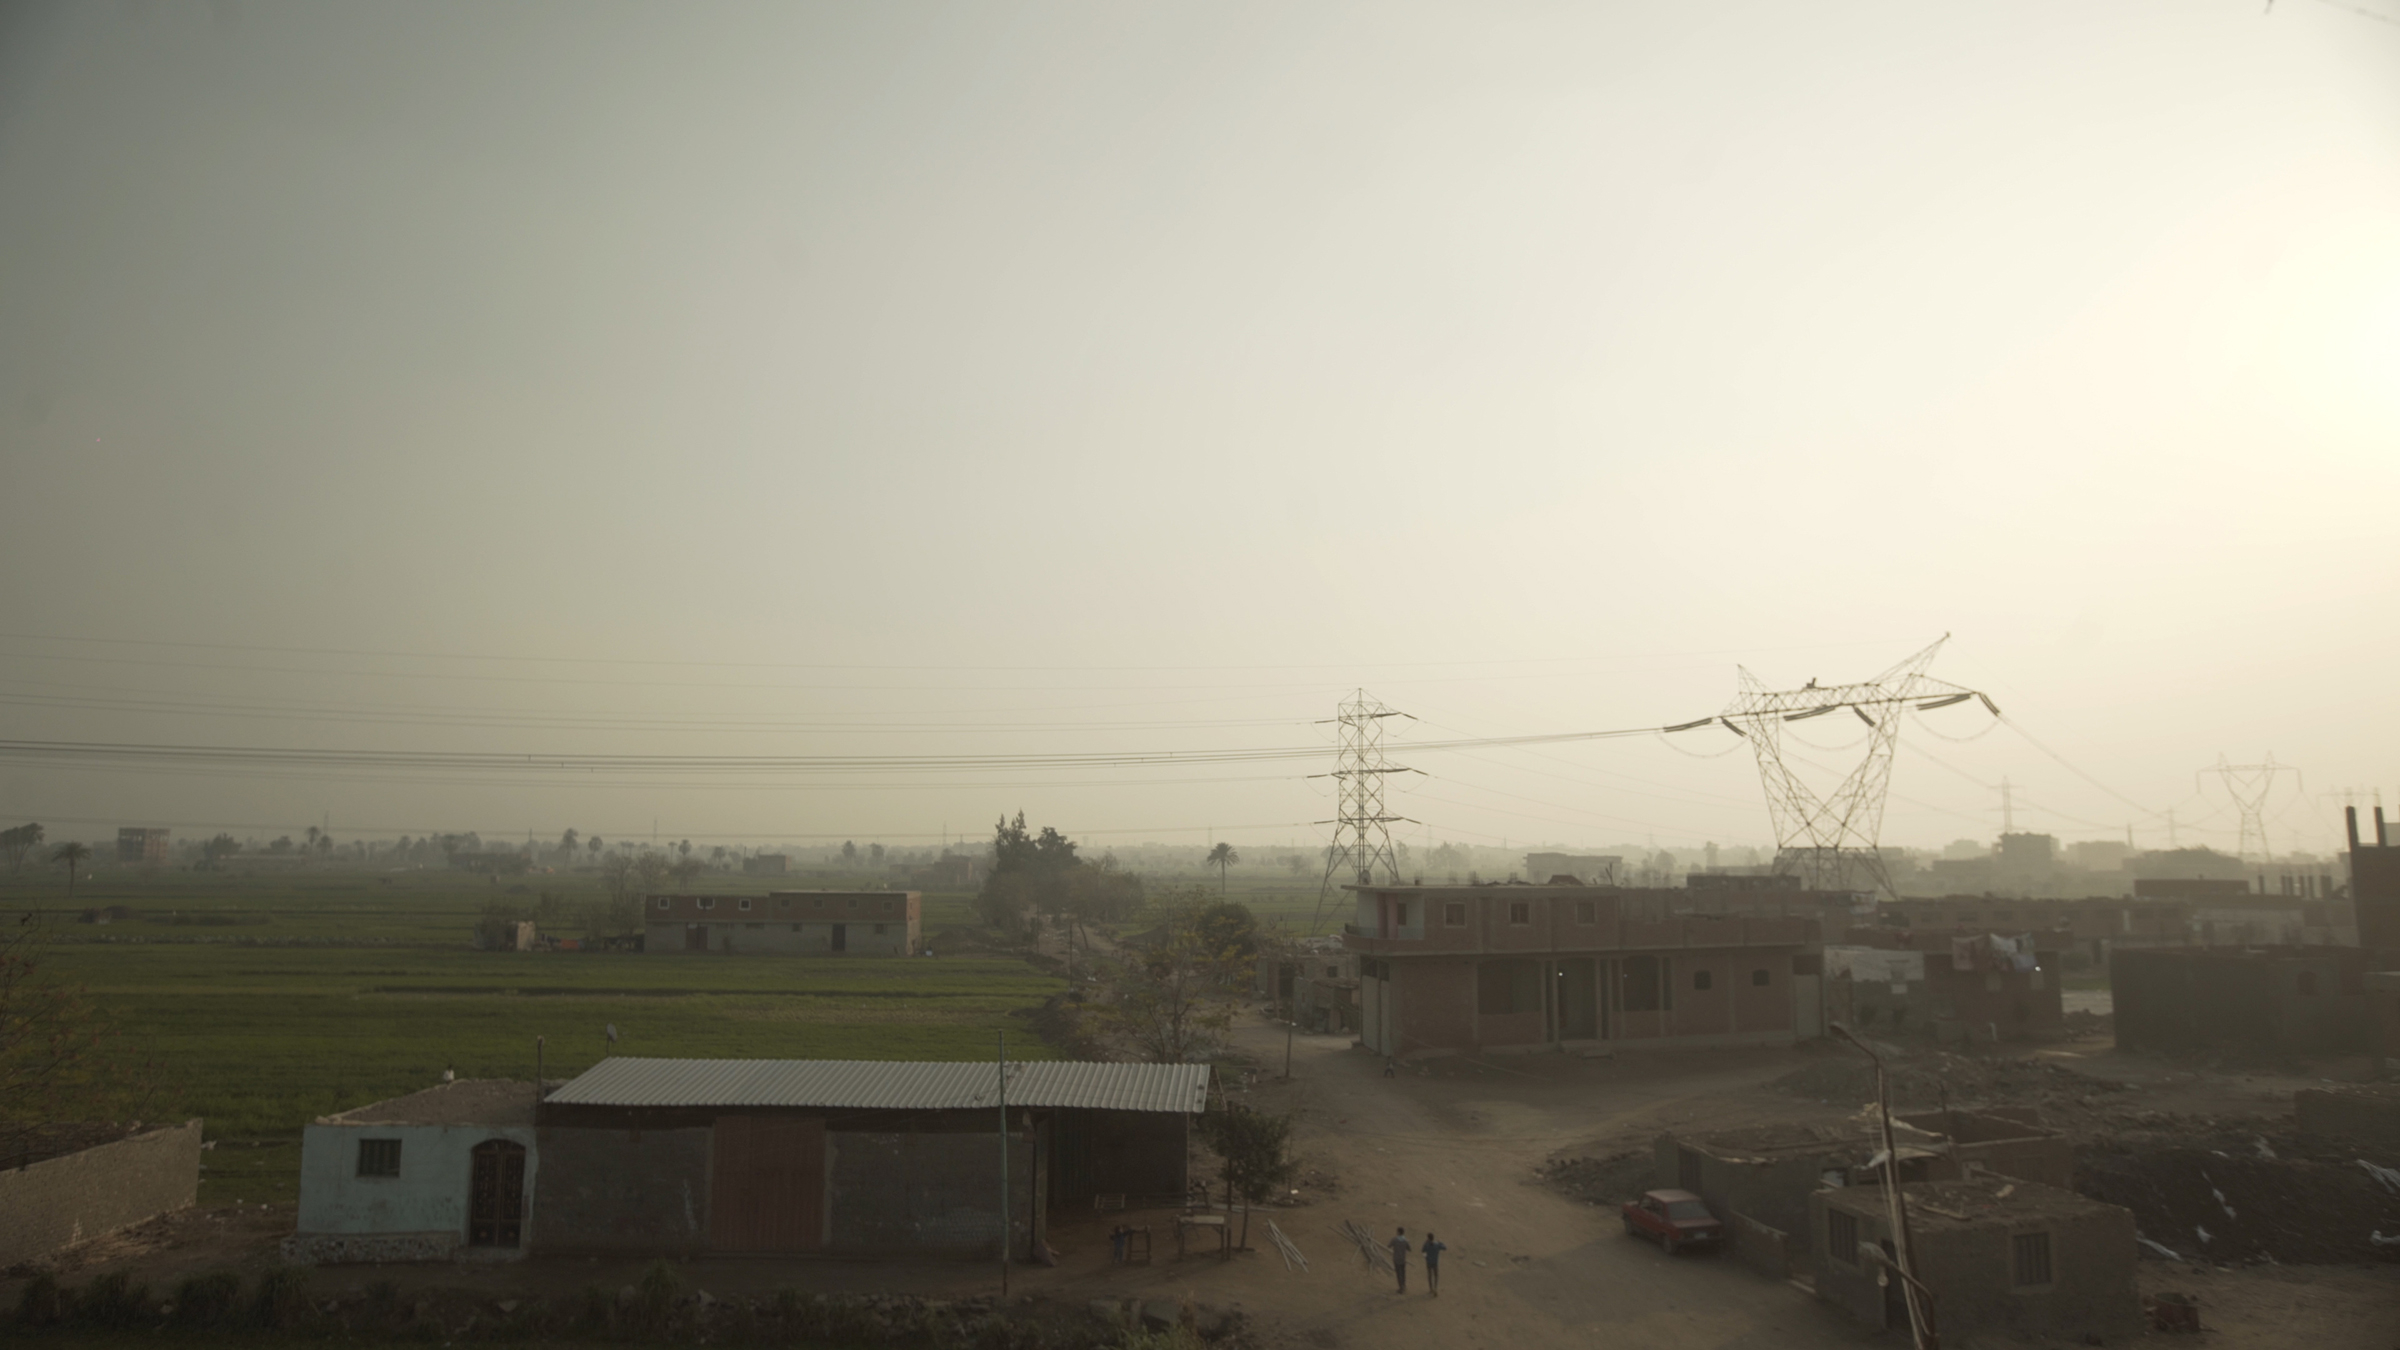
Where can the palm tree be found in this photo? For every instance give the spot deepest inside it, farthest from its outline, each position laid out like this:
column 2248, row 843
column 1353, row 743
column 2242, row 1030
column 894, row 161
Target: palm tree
column 73, row 855
column 1222, row 857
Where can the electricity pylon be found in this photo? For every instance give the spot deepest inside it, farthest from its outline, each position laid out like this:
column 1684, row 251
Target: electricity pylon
column 1829, row 840
column 2250, row 785
column 1362, row 835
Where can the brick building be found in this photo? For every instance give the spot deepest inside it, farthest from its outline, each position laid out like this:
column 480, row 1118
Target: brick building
column 1998, row 1254
column 2375, row 890
column 1947, row 985
column 2268, row 1000
column 138, row 845
column 1520, row 967
column 863, row 923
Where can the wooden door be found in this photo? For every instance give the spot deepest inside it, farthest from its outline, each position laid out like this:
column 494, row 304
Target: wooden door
column 496, row 1195
column 695, row 937
column 841, row 937
column 767, row 1184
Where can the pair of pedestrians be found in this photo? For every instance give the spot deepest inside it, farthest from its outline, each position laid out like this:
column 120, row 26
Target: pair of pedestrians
column 1432, row 1251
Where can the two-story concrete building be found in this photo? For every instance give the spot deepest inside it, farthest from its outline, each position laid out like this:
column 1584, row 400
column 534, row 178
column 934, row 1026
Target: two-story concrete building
column 1518, row 967
column 863, row 923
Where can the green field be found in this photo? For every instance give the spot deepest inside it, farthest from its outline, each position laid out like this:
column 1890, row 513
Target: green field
column 338, row 989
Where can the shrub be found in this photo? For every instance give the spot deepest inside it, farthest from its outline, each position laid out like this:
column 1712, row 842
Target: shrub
column 41, row 1302
column 281, row 1296
column 656, row 1302
column 111, row 1300
column 206, row 1300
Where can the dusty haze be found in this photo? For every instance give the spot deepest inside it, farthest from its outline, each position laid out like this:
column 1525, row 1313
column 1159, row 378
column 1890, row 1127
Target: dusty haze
column 914, row 379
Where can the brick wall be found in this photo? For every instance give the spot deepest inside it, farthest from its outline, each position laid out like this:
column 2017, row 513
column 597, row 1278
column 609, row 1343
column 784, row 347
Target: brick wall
column 626, row 1190
column 61, row 1201
column 927, row 1191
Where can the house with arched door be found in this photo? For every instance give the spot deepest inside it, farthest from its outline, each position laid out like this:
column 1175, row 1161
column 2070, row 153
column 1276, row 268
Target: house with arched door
column 442, row 1174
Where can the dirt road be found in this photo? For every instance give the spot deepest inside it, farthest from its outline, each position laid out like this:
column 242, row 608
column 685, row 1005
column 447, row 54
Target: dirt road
column 1452, row 1147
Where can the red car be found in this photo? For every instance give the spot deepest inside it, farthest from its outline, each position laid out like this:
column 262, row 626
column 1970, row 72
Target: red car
column 1675, row 1219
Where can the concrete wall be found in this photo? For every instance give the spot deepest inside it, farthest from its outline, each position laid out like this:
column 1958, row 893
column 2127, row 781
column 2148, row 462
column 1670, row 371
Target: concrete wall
column 430, row 1194
column 2364, row 1115
column 2296, row 1000
column 1773, row 1192
column 61, row 1201
column 733, row 934
column 625, row 1190
column 927, row 1192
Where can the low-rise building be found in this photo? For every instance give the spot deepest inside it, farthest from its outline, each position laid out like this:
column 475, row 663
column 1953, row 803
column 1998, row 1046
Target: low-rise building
column 682, row 1156
column 2266, row 1000
column 766, row 865
column 1766, row 1174
column 1510, row 967
column 1996, row 1253
column 1318, row 986
column 861, row 923
column 143, row 847
column 436, row 1175
column 1951, row 987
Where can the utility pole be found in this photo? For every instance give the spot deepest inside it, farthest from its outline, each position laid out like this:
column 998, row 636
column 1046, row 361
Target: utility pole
column 2008, row 808
column 1004, row 1200
column 1903, row 1265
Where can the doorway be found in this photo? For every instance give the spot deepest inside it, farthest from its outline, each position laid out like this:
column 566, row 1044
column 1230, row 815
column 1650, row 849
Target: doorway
column 841, row 937
column 695, row 937
column 767, row 1184
column 496, row 1195
column 1578, row 1001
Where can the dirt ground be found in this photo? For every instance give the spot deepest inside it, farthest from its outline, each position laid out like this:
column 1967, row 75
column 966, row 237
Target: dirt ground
column 1457, row 1146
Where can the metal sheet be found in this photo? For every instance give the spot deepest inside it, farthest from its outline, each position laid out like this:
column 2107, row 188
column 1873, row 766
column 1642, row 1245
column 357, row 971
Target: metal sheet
column 877, row 1085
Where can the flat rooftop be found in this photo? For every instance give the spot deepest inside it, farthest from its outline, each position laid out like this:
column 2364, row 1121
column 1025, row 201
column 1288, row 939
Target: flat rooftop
column 1971, row 1203
column 469, row 1101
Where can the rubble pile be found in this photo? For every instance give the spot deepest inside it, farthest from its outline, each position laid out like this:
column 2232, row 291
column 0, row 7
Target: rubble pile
column 1603, row 1181
column 2228, row 1207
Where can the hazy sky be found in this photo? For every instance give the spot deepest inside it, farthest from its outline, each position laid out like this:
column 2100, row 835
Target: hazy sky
column 916, row 379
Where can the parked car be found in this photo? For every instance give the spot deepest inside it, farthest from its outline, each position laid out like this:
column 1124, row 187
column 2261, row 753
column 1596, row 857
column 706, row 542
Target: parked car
column 1673, row 1219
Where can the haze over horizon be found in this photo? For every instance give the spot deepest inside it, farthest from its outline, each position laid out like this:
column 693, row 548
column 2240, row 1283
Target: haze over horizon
column 733, row 380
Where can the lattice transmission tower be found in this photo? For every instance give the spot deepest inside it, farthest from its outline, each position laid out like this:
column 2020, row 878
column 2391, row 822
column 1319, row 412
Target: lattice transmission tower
column 1828, row 840
column 1362, row 835
column 2250, row 785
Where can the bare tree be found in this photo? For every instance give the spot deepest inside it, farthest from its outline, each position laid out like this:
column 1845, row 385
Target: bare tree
column 62, row 1059
column 1170, row 999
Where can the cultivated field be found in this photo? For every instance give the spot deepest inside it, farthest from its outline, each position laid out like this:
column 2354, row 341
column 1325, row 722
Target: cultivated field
column 273, row 1000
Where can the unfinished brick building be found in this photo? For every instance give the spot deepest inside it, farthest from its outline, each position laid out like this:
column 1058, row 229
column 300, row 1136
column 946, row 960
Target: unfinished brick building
column 1511, row 967
column 863, row 923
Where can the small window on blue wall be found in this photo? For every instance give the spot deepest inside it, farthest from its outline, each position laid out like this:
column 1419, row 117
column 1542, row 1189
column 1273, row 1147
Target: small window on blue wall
column 379, row 1157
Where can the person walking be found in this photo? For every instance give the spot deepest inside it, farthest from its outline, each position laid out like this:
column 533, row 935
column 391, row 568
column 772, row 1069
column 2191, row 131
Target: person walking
column 1400, row 1258
column 1433, row 1264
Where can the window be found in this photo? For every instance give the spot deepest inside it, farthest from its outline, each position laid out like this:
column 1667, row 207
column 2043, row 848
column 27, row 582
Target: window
column 662, row 904
column 2308, row 984
column 1331, row 973
column 796, row 928
column 1760, row 978
column 746, row 906
column 1587, row 911
column 1841, row 1236
column 1508, row 987
column 817, row 903
column 1400, row 914
column 379, row 1157
column 708, row 902
column 1520, row 912
column 879, row 933
column 1703, row 979
column 2032, row 1252
column 1454, row 916
column 783, row 902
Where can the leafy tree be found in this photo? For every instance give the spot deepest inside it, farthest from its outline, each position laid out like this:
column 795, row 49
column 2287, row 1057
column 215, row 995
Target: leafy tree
column 312, row 838
column 281, row 845
column 567, row 843
column 875, row 854
column 1222, row 857
column 685, row 869
column 1031, row 874
column 1169, row 999
column 849, row 851
column 71, row 854
column 1254, row 1154
column 324, row 844
column 18, row 842
column 616, row 873
column 224, row 846
column 650, row 871
column 1295, row 862
column 684, row 849
column 593, row 846
column 1228, row 928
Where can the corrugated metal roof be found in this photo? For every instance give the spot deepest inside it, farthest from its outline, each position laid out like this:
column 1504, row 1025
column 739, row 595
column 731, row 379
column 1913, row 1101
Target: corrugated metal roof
column 883, row 1085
